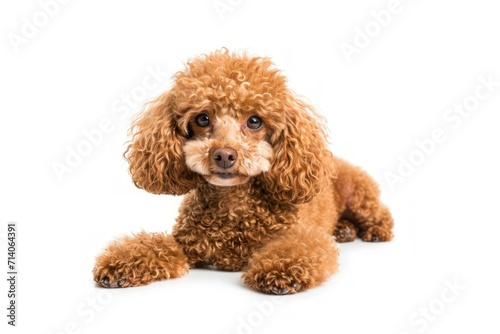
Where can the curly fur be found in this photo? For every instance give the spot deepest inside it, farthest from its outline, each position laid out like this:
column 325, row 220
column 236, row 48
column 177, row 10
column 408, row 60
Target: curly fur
column 274, row 213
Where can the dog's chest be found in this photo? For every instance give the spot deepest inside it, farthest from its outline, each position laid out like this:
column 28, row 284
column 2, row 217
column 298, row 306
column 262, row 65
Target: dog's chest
column 224, row 231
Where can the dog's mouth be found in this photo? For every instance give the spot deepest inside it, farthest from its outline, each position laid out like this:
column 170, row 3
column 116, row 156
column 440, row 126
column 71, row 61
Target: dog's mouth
column 227, row 176
column 226, row 179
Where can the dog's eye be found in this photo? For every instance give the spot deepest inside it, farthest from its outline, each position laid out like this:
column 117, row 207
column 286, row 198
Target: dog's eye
column 202, row 120
column 254, row 123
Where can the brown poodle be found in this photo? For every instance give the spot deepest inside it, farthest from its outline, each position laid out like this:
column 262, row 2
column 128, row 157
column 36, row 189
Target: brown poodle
column 263, row 193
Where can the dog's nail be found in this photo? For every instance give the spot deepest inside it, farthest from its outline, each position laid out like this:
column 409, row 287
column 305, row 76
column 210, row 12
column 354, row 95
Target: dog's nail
column 280, row 291
column 114, row 285
column 105, row 282
column 117, row 284
column 375, row 238
column 297, row 287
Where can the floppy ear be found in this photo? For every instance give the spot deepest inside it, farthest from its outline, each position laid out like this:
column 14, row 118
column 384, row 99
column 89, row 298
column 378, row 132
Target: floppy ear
column 155, row 154
column 302, row 165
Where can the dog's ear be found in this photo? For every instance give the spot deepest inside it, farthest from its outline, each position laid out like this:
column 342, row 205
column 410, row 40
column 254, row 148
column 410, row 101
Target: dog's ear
column 155, row 153
column 302, row 166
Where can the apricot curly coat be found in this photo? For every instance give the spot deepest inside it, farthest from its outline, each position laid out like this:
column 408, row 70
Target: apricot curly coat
column 263, row 193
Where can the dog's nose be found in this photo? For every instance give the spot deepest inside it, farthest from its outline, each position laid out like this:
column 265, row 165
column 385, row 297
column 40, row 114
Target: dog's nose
column 225, row 157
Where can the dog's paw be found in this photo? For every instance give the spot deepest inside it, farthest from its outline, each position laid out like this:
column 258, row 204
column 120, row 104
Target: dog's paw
column 376, row 234
column 302, row 259
column 280, row 286
column 278, row 278
column 111, row 275
column 140, row 260
column 345, row 232
column 115, row 274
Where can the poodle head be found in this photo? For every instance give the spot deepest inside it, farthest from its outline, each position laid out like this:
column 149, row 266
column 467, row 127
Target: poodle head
column 230, row 119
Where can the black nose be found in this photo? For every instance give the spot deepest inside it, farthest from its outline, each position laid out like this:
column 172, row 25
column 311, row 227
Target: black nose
column 225, row 157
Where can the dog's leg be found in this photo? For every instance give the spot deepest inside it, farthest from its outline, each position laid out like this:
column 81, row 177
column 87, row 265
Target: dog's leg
column 300, row 259
column 140, row 260
column 362, row 203
column 369, row 215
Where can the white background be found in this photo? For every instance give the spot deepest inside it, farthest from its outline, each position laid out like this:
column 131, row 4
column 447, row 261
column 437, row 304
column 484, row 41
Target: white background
column 66, row 79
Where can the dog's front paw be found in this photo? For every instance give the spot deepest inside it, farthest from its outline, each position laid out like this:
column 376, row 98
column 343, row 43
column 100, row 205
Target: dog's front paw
column 277, row 277
column 140, row 260
column 301, row 259
column 110, row 273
